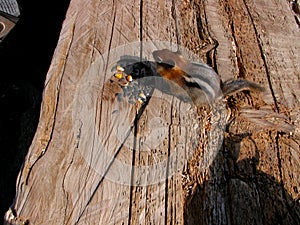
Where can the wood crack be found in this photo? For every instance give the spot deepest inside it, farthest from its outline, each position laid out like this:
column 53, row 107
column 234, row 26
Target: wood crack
column 51, row 124
column 263, row 56
column 63, row 186
column 168, row 166
column 175, row 18
column 209, row 43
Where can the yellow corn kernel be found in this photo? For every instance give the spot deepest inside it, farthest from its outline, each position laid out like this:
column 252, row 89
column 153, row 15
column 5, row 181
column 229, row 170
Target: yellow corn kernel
column 129, row 78
column 119, row 75
column 139, row 101
column 142, row 96
column 120, row 69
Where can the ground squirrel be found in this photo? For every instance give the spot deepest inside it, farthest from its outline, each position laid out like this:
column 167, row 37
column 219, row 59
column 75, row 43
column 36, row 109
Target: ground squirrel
column 201, row 83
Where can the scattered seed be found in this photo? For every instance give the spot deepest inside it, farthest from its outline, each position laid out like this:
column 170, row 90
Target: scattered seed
column 120, row 69
column 142, row 96
column 119, row 75
column 129, row 78
column 140, row 101
column 134, row 90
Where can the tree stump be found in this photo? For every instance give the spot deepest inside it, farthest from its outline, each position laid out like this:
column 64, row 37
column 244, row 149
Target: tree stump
column 95, row 160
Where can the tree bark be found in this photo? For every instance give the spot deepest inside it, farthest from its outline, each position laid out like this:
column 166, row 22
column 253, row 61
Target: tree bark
column 95, row 161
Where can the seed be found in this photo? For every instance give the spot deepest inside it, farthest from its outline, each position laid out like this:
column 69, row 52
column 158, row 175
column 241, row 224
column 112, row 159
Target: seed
column 119, row 75
column 129, row 78
column 120, row 69
column 140, row 101
column 142, row 96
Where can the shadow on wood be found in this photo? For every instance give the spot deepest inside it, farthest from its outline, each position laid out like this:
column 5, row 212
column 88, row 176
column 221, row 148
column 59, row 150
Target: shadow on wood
column 241, row 189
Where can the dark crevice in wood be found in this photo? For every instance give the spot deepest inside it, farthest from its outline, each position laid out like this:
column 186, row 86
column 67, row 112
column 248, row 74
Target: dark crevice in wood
column 100, row 119
column 175, row 18
column 141, row 30
column 260, row 44
column 134, row 128
column 101, row 109
column 99, row 116
column 277, row 142
column 211, row 48
column 42, row 152
column 135, row 125
column 78, row 136
column 297, row 21
column 210, row 44
column 94, row 44
column 241, row 69
column 294, row 5
column 201, row 25
column 168, row 166
column 133, row 161
column 111, row 33
column 239, row 60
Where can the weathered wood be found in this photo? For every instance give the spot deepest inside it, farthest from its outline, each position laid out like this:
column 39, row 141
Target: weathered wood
column 92, row 161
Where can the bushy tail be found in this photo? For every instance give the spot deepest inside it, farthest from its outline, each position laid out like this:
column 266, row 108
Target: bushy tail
column 232, row 86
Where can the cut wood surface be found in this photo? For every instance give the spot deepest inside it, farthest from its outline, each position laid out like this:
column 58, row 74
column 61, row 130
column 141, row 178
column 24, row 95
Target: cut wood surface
column 93, row 160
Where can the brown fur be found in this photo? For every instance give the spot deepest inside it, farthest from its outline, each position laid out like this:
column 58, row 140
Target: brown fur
column 200, row 81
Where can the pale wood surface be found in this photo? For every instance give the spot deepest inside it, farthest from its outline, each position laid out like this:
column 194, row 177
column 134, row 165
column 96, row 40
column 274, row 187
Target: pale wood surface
column 79, row 167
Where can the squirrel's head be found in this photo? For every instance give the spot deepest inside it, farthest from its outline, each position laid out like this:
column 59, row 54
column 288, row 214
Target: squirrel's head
column 168, row 60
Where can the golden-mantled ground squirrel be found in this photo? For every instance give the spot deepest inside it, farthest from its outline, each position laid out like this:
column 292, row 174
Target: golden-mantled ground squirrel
column 200, row 82
column 190, row 82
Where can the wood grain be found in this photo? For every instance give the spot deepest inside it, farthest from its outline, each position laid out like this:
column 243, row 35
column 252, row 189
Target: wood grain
column 94, row 161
